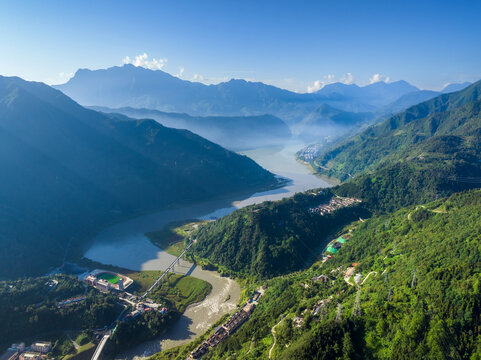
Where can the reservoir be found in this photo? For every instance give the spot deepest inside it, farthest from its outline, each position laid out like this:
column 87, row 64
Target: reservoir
column 126, row 245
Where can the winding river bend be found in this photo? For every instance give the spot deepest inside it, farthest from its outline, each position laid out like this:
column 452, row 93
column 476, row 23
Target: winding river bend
column 126, row 245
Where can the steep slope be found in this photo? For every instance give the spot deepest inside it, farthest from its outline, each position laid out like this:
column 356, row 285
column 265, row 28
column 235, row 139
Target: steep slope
column 68, row 171
column 232, row 132
column 272, row 238
column 449, row 114
column 417, row 296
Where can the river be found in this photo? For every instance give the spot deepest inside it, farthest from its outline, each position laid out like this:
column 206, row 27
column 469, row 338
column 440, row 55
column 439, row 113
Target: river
column 126, row 245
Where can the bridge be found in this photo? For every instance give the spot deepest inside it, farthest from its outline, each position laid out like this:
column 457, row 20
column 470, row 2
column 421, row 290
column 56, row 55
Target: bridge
column 171, row 267
column 100, row 347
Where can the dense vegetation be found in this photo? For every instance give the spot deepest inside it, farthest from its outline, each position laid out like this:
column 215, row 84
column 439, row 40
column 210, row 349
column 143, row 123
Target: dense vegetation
column 176, row 292
column 449, row 114
column 272, row 238
column 422, row 299
column 68, row 171
column 28, row 308
column 172, row 237
column 427, row 171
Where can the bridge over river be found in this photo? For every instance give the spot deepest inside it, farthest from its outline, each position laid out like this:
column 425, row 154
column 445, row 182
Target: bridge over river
column 101, row 345
column 170, row 267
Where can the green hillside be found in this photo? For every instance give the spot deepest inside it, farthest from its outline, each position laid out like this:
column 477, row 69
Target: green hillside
column 418, row 295
column 68, row 171
column 449, row 114
column 272, row 238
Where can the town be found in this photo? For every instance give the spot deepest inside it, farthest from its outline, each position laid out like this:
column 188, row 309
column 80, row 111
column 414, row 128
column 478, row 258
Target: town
column 107, row 281
column 38, row 350
column 229, row 327
column 334, row 204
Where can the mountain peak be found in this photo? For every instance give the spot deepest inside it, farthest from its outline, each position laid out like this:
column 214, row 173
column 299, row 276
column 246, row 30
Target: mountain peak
column 452, row 87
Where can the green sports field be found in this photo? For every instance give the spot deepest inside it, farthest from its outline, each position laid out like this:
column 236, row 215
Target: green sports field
column 111, row 278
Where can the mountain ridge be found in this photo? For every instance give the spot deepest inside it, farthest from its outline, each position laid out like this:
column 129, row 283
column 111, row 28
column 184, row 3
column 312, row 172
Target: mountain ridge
column 68, row 171
column 130, row 86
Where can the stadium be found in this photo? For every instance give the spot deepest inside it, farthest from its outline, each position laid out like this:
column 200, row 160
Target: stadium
column 107, row 280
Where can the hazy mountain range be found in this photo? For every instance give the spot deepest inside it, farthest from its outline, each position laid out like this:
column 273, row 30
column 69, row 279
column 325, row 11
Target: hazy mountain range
column 143, row 89
column 130, row 86
column 231, row 132
column 68, row 170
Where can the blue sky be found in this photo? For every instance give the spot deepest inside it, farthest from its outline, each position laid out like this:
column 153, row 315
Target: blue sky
column 291, row 44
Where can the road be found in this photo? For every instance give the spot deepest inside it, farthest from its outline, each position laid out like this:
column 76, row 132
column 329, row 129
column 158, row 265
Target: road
column 273, row 332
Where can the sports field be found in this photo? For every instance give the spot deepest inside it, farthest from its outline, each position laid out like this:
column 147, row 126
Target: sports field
column 111, row 278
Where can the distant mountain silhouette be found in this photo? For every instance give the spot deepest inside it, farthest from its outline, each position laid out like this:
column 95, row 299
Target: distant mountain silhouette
column 137, row 87
column 410, row 99
column 455, row 87
column 232, row 132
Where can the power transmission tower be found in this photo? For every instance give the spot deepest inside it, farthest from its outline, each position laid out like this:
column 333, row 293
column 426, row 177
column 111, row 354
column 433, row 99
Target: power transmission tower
column 339, row 313
column 356, row 311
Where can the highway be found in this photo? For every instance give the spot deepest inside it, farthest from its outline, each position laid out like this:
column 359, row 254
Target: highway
column 171, row 267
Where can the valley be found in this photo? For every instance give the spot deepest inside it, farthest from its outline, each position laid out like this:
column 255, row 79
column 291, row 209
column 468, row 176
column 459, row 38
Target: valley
column 215, row 180
column 125, row 245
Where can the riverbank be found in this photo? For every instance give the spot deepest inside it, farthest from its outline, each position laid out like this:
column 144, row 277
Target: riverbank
column 126, row 245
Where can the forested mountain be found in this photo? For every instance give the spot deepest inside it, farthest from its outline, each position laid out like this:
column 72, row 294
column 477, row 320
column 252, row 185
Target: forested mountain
column 417, row 295
column 430, row 151
column 449, row 114
column 67, row 170
column 130, row 86
column 273, row 238
column 232, row 132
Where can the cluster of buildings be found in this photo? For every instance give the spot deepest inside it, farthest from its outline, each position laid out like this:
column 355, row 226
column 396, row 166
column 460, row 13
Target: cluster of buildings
column 146, row 305
column 229, row 327
column 321, row 278
column 318, row 310
column 350, row 272
column 95, row 279
column 36, row 351
column 320, row 307
column 310, row 152
column 334, row 204
column 104, row 285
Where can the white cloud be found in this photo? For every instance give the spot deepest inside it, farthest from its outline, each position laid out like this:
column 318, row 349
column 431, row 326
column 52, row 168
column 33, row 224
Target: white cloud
column 347, row 79
column 319, row 84
column 142, row 60
column 65, row 76
column 198, row 77
column 181, row 72
column 378, row 77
